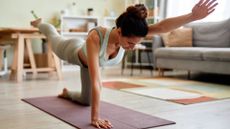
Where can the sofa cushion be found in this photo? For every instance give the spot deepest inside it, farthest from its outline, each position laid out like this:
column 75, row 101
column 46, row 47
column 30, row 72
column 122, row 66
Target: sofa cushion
column 217, row 54
column 181, row 37
column 194, row 53
column 211, row 34
column 188, row 53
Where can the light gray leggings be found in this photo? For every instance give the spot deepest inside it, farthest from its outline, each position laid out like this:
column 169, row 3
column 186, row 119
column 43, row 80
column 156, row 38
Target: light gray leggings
column 67, row 49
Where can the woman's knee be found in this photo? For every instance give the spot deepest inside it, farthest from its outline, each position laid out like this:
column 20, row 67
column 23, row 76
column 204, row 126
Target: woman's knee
column 86, row 101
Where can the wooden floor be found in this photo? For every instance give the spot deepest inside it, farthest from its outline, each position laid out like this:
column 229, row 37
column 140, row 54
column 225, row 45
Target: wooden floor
column 15, row 114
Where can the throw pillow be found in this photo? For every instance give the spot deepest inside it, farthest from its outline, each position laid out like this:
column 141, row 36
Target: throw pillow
column 181, row 37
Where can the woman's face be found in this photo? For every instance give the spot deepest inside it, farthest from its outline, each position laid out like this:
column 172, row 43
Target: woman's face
column 128, row 43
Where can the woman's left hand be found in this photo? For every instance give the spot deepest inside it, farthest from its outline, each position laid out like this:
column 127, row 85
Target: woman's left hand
column 203, row 9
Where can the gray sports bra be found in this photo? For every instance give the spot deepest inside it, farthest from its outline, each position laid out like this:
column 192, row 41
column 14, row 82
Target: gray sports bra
column 103, row 61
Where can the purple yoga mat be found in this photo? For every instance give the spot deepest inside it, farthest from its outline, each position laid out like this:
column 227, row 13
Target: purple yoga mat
column 79, row 116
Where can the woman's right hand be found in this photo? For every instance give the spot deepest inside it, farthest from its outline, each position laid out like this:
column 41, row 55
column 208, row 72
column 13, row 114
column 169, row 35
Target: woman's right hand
column 100, row 123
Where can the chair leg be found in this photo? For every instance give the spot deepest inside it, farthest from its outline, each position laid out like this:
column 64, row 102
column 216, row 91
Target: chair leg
column 20, row 58
column 151, row 71
column 14, row 64
column 53, row 61
column 139, row 54
column 189, row 75
column 160, row 72
column 3, row 64
column 1, row 58
column 123, row 63
column 131, row 74
column 31, row 57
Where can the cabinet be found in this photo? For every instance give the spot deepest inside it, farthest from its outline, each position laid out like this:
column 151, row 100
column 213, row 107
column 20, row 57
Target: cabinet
column 76, row 27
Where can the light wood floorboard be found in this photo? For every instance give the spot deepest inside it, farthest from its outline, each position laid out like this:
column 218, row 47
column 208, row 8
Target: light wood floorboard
column 15, row 114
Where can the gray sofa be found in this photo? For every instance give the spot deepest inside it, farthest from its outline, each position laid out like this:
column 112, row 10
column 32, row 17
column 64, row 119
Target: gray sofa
column 210, row 52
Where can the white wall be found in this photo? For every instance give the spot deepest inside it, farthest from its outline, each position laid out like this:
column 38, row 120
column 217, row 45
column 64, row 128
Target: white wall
column 16, row 13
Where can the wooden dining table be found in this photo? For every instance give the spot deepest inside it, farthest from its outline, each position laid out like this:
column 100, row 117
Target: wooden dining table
column 20, row 38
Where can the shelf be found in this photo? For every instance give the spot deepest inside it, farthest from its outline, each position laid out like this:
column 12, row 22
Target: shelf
column 138, row 64
column 75, row 33
column 80, row 17
column 110, row 21
column 110, row 18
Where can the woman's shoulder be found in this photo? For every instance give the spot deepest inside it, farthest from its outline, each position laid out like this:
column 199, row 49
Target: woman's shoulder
column 96, row 34
column 99, row 30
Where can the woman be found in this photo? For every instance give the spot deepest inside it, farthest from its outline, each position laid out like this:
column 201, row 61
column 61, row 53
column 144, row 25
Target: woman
column 106, row 47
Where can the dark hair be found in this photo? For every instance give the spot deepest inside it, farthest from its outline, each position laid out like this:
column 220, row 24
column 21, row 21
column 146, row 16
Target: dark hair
column 133, row 21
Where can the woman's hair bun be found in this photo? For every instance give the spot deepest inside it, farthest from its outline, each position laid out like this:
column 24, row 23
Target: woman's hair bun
column 138, row 10
column 133, row 21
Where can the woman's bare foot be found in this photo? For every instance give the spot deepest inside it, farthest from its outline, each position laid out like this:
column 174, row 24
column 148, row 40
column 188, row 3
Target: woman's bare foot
column 36, row 22
column 64, row 93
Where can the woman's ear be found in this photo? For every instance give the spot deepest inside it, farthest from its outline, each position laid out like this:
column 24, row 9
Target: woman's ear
column 119, row 31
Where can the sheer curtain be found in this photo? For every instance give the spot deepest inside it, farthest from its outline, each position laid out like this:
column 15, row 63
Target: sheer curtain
column 179, row 7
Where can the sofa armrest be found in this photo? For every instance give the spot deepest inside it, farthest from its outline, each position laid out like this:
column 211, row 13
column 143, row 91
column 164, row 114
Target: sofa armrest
column 157, row 43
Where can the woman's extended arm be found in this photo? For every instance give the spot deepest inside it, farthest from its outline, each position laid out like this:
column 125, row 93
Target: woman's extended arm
column 199, row 11
column 93, row 48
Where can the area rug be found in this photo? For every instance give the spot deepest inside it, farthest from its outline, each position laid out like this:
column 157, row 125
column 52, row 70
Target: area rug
column 120, row 85
column 79, row 116
column 177, row 90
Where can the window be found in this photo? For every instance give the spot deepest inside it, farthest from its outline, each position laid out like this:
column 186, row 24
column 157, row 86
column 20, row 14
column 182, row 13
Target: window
column 176, row 8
